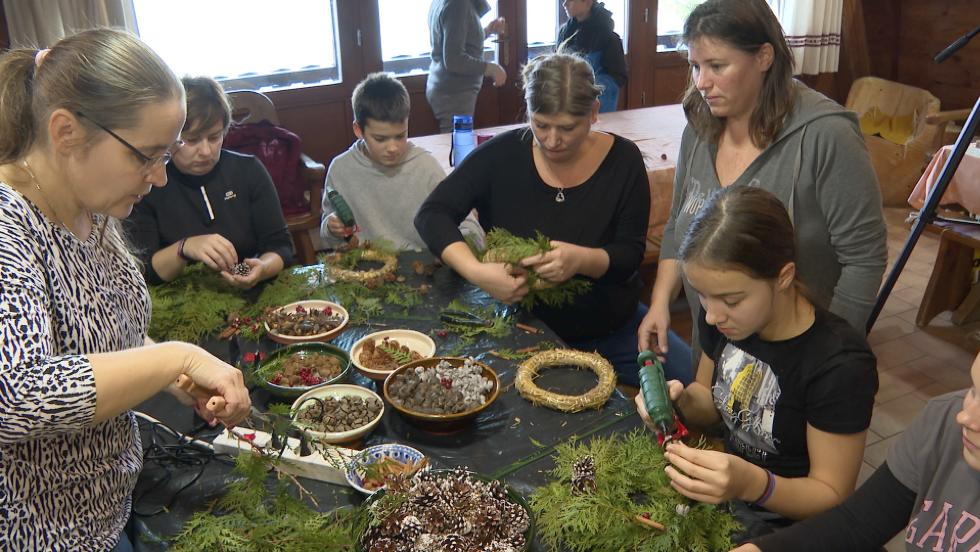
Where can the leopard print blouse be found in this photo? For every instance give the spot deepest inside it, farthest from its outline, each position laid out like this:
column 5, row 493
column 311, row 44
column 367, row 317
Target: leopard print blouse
column 64, row 483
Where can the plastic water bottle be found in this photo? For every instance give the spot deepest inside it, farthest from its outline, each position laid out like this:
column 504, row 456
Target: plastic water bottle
column 464, row 141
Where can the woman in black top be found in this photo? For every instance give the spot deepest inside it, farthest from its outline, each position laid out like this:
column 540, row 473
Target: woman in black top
column 589, row 32
column 221, row 207
column 584, row 189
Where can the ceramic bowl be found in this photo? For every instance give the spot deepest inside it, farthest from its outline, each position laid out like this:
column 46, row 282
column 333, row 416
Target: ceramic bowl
column 441, row 422
column 338, row 391
column 371, row 455
column 291, row 392
column 310, row 304
column 416, row 341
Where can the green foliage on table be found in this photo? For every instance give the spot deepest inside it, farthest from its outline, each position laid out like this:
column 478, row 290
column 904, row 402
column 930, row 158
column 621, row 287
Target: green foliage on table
column 511, row 249
column 251, row 517
column 507, row 353
column 197, row 304
column 498, row 325
column 193, row 306
column 630, row 481
column 366, row 303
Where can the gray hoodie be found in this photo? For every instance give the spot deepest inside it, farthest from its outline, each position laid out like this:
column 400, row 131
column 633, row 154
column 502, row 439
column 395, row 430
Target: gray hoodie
column 819, row 167
column 384, row 199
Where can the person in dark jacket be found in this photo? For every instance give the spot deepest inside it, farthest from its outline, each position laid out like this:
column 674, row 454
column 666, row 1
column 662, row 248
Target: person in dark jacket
column 589, row 32
column 221, row 208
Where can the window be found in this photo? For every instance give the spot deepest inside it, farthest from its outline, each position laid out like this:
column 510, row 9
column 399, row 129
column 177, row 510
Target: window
column 251, row 44
column 671, row 15
column 405, row 44
column 545, row 18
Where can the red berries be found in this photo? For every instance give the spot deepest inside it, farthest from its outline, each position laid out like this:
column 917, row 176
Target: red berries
column 446, row 382
column 645, row 515
column 442, row 333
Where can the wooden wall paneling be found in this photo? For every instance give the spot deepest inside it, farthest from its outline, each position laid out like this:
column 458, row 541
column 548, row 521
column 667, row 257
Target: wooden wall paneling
column 928, row 27
column 512, row 55
column 670, row 78
column 854, row 59
column 882, row 19
column 642, row 43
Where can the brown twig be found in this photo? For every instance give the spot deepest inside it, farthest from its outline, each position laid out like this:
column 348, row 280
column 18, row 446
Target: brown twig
column 527, row 328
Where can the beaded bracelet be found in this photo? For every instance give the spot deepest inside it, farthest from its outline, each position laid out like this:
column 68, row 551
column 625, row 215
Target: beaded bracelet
column 180, row 250
column 770, row 487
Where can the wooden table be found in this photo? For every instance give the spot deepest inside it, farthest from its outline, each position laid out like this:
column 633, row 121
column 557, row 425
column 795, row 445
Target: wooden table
column 655, row 130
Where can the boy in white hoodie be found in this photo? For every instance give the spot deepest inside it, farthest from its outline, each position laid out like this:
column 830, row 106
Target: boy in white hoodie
column 383, row 177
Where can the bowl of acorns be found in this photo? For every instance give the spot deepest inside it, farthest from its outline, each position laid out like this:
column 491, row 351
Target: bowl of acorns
column 303, row 321
column 293, row 370
column 442, row 394
column 377, row 355
column 371, row 468
column 447, row 510
column 338, row 413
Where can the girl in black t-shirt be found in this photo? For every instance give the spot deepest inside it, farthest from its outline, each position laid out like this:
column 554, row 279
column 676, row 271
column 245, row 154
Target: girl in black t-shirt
column 794, row 385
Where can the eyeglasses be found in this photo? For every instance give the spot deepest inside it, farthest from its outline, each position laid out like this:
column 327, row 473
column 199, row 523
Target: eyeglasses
column 148, row 162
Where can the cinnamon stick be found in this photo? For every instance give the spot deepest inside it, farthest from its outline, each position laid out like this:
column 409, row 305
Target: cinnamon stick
column 526, row 328
column 649, row 523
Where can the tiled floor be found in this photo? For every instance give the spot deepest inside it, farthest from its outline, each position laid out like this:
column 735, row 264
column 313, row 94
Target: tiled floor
column 914, row 364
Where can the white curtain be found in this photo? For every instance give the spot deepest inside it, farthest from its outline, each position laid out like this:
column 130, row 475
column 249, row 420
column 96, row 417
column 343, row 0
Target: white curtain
column 41, row 23
column 813, row 31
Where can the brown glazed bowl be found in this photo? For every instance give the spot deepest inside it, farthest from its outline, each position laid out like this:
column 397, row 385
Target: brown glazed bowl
column 441, row 423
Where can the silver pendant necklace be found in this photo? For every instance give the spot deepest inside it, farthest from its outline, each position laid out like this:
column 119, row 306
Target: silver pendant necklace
column 560, row 196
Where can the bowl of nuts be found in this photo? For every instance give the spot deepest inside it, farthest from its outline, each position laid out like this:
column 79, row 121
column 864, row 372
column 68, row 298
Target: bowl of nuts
column 442, row 393
column 305, row 321
column 338, row 413
column 293, row 370
column 373, row 466
column 377, row 355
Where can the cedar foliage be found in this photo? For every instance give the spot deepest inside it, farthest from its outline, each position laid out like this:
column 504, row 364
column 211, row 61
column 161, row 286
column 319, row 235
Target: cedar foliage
column 630, row 480
column 512, row 249
column 251, row 517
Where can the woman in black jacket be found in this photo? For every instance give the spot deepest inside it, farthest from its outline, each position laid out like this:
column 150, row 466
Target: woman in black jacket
column 589, row 32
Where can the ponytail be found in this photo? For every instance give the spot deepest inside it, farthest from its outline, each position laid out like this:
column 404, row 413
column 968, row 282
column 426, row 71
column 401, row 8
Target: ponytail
column 17, row 127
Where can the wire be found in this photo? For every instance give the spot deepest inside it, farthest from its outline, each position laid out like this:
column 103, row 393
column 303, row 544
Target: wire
column 175, row 453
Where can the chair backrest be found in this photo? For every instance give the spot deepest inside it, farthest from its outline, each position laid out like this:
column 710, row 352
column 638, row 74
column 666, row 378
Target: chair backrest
column 897, row 111
column 249, row 106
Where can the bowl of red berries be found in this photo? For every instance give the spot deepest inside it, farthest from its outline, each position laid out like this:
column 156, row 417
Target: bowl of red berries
column 291, row 371
column 305, row 321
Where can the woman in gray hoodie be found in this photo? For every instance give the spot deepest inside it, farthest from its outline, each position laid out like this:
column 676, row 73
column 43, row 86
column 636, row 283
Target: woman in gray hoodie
column 751, row 124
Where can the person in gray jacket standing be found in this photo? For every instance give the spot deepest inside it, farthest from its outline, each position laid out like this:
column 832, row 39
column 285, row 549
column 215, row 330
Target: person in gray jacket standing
column 751, row 124
column 457, row 68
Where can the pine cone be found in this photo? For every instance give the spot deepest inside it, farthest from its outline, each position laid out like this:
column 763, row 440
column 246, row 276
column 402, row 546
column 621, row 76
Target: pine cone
column 454, row 543
column 513, row 519
column 583, row 475
column 411, row 528
column 241, row 269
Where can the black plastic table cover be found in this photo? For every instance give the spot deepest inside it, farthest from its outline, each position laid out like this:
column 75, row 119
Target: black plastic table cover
column 511, row 440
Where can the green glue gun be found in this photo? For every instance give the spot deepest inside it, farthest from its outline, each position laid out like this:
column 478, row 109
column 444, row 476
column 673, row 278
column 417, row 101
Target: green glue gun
column 342, row 209
column 653, row 386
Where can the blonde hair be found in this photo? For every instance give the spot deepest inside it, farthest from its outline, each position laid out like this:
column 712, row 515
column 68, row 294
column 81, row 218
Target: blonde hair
column 108, row 75
column 559, row 83
column 745, row 25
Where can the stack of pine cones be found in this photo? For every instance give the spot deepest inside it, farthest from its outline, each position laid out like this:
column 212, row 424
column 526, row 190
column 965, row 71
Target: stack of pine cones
column 449, row 512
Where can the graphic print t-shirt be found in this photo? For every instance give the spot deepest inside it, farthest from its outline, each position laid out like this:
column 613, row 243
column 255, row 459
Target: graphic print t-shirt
column 767, row 392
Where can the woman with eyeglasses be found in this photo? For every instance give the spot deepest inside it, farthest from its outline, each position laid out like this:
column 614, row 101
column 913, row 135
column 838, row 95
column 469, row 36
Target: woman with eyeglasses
column 221, row 207
column 85, row 131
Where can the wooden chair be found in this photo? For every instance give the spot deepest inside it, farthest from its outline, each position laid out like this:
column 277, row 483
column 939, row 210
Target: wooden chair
column 255, row 107
column 903, row 127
